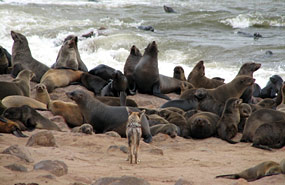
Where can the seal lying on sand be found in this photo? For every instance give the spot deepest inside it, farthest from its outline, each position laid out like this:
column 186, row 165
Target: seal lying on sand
column 105, row 118
column 8, row 126
column 21, row 53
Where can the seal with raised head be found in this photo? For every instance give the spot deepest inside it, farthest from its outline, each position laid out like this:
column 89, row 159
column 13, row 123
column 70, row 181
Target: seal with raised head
column 81, row 65
column 146, row 73
column 21, row 53
column 66, row 58
column 178, row 73
column 263, row 169
column 19, row 86
column 272, row 87
column 129, row 67
column 169, row 129
column 93, row 83
column 199, row 80
column 227, row 126
column 258, row 118
column 8, row 126
column 245, row 111
column 105, row 118
column 270, row 135
column 54, row 78
column 42, row 94
column 30, row 118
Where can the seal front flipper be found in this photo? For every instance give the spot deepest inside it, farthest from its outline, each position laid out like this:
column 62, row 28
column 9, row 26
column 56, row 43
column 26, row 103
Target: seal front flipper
column 229, row 176
column 156, row 92
column 18, row 133
column 261, row 146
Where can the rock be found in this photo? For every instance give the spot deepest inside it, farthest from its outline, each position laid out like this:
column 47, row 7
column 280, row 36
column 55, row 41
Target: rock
column 156, row 151
column 19, row 151
column 16, row 167
column 122, row 148
column 58, row 168
column 124, row 180
column 44, row 138
column 60, row 122
column 113, row 134
column 49, row 176
column 183, row 182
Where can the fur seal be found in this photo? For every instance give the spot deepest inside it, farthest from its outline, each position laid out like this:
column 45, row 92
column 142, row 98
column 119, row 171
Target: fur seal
column 258, row 118
column 42, row 94
column 115, row 101
column 30, row 118
column 227, row 126
column 198, row 79
column 68, row 110
column 267, row 103
column 245, row 111
column 272, row 87
column 155, row 119
column 8, row 126
column 81, row 65
column 18, row 101
column 66, row 58
column 169, row 84
column 281, row 106
column 85, row 128
column 270, row 135
column 5, row 63
column 178, row 73
column 168, row 9
column 146, row 72
column 202, row 125
column 248, row 69
column 54, row 78
column 21, row 53
column 103, row 71
column 129, row 67
column 146, row 28
column 19, row 86
column 169, row 129
column 117, row 87
column 105, row 118
column 93, row 83
column 263, row 169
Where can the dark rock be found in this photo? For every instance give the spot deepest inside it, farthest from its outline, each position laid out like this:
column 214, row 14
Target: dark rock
column 55, row 167
column 16, row 167
column 44, row 138
column 19, row 151
column 122, row 148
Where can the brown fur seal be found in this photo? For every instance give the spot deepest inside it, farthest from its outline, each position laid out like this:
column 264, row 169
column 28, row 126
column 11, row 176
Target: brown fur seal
column 258, row 118
column 146, row 72
column 235, row 88
column 30, row 118
column 267, row 103
column 105, row 118
column 168, row 9
column 245, row 111
column 93, row 83
column 198, row 79
column 19, row 86
column 21, row 53
column 18, row 101
column 68, row 110
column 66, row 58
column 54, row 78
column 129, row 67
column 42, row 94
column 115, row 101
column 227, row 126
column 270, row 135
column 281, row 106
column 169, row 84
column 103, row 71
column 178, row 73
column 202, row 125
column 155, row 119
column 85, row 128
column 272, row 87
column 8, row 126
column 81, row 65
column 4, row 61
column 263, row 169
column 169, row 129
column 248, row 69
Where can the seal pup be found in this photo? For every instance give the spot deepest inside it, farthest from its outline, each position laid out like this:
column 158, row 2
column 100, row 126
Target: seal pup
column 81, row 65
column 270, row 135
column 129, row 67
column 198, row 79
column 169, row 129
column 272, row 87
column 245, row 111
column 134, row 133
column 30, row 118
column 54, row 78
column 93, row 83
column 105, row 118
column 258, row 118
column 178, row 73
column 8, row 126
column 42, row 94
column 18, row 101
column 85, row 128
column 21, row 53
column 18, row 86
column 263, row 169
column 66, row 58
column 146, row 72
column 227, row 126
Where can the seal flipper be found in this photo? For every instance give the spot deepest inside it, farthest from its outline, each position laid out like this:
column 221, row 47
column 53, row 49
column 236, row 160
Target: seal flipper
column 18, row 133
column 229, row 176
column 123, row 98
column 156, row 92
column 261, row 146
column 230, row 141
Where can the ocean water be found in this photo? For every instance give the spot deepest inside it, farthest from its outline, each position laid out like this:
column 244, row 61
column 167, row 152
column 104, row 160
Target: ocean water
column 199, row 30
